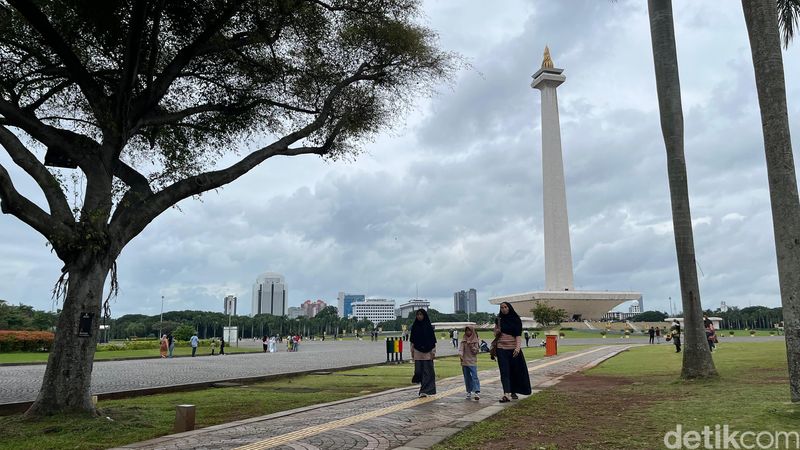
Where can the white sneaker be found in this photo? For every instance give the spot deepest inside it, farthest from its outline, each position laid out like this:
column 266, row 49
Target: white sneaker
column 469, row 395
column 423, row 395
column 476, row 396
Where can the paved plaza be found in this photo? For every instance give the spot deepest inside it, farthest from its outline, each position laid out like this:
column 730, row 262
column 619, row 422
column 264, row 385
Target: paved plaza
column 391, row 419
column 22, row 383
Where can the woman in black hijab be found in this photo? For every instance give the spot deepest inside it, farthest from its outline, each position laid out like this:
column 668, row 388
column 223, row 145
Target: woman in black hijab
column 423, row 351
column 513, row 369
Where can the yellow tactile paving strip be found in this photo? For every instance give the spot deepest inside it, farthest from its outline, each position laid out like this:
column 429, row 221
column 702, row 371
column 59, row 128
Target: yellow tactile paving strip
column 276, row 441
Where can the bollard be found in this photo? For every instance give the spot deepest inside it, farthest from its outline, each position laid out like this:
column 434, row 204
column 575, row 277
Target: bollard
column 400, row 348
column 184, row 418
column 391, row 348
column 387, row 349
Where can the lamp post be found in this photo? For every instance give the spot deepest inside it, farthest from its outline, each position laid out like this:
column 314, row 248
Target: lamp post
column 161, row 320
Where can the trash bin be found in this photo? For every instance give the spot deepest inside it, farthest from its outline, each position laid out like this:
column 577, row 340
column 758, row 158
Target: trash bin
column 551, row 345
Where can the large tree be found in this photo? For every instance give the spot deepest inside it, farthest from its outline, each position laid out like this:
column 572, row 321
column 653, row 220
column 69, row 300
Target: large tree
column 762, row 18
column 139, row 99
column 697, row 362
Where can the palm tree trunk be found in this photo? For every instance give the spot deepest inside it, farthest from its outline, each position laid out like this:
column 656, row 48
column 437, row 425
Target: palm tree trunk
column 765, row 46
column 697, row 362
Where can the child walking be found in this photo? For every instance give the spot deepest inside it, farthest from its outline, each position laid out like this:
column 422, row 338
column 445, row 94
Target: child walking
column 468, row 351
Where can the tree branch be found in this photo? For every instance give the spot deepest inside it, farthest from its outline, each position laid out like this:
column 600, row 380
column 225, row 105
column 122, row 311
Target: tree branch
column 131, row 64
column 160, row 86
column 167, row 118
column 129, row 220
column 91, row 90
column 67, row 141
column 11, row 202
column 22, row 157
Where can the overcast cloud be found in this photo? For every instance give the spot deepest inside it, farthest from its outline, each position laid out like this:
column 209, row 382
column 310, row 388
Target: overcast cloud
column 451, row 199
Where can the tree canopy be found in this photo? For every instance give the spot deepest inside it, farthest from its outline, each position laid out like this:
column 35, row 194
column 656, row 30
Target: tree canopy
column 144, row 97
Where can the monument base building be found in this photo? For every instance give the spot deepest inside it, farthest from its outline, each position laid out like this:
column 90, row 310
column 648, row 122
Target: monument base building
column 579, row 305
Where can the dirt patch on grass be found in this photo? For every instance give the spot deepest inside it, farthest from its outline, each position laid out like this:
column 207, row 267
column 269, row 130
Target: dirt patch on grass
column 579, row 412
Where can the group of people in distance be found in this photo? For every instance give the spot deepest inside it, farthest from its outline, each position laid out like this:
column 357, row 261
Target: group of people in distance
column 506, row 348
column 674, row 334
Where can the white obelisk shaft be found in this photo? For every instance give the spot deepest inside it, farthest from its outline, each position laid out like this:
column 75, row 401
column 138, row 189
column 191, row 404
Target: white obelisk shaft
column 557, row 252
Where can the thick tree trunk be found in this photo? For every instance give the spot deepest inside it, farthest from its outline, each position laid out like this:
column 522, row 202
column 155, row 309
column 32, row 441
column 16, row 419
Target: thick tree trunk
column 697, row 362
column 66, row 386
column 761, row 17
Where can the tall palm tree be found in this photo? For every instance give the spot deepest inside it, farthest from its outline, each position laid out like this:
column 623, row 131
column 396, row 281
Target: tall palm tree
column 788, row 18
column 697, row 362
column 761, row 17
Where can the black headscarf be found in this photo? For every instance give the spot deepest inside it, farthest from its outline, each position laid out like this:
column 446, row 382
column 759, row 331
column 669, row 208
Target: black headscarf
column 510, row 323
column 422, row 335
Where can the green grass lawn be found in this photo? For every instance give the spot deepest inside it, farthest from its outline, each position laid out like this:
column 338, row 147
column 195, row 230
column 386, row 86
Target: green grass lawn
column 28, row 357
column 142, row 418
column 641, row 388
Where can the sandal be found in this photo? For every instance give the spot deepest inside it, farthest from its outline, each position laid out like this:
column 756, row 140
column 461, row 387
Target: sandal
column 504, row 399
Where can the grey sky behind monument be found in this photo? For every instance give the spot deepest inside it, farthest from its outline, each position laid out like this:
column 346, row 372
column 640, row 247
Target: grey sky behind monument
column 452, row 197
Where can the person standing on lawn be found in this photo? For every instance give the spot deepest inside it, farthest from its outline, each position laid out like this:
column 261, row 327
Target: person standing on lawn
column 513, row 369
column 423, row 352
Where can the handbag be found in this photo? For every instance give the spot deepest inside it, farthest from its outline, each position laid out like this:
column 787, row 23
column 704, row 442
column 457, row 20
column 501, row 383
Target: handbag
column 493, row 350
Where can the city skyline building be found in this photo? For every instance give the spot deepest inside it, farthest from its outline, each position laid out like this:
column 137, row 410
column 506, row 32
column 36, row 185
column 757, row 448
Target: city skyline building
column 311, row 309
column 345, row 302
column 412, row 305
column 270, row 295
column 229, row 305
column 294, row 312
column 376, row 310
column 464, row 301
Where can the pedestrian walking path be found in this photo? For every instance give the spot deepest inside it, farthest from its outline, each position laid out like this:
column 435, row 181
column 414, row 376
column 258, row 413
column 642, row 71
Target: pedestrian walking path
column 391, row 419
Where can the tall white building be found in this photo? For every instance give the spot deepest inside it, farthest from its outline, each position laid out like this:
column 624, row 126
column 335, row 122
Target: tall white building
column 229, row 306
column 375, row 310
column 270, row 295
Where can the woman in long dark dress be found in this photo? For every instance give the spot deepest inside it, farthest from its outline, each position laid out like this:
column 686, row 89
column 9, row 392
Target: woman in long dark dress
column 423, row 352
column 513, row 369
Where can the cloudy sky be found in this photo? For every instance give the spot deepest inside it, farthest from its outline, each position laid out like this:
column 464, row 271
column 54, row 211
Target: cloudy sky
column 452, row 197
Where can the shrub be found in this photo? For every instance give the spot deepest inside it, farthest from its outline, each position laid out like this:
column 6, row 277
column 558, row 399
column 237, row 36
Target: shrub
column 772, row 333
column 731, row 333
column 603, row 333
column 561, row 334
column 752, row 332
column 25, row 341
column 566, row 328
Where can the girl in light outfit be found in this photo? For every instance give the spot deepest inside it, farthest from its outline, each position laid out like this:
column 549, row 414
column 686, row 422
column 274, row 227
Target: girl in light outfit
column 468, row 351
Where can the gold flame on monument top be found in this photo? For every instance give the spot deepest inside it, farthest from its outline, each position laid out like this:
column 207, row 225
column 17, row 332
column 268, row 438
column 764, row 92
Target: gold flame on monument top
column 547, row 62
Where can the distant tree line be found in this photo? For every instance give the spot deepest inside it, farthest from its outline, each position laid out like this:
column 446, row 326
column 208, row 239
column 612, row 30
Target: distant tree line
column 209, row 324
column 734, row 318
column 23, row 317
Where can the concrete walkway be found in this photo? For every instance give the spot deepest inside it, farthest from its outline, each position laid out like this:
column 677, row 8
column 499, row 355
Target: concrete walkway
column 391, row 419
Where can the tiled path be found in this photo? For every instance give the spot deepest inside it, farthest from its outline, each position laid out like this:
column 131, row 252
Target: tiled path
column 391, row 419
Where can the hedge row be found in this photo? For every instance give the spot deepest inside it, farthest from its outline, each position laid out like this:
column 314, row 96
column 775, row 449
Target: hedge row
column 25, row 341
column 145, row 345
